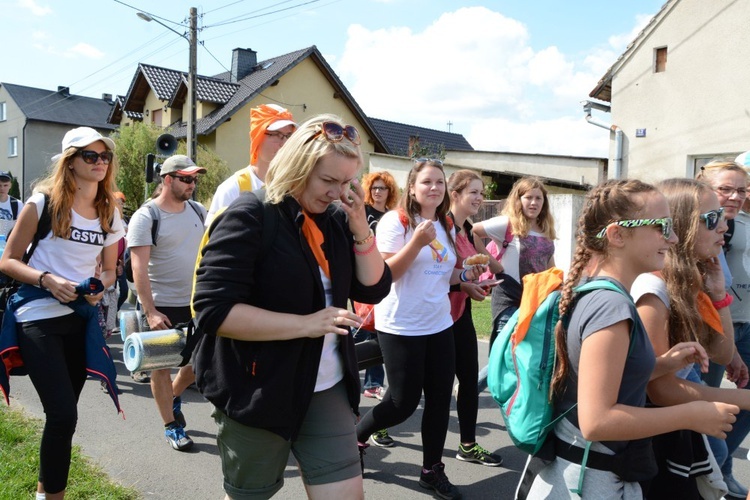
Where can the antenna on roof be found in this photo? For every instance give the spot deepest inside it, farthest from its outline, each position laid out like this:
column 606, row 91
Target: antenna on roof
column 449, row 125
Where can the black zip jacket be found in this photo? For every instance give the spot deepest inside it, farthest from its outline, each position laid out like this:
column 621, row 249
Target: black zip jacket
column 269, row 384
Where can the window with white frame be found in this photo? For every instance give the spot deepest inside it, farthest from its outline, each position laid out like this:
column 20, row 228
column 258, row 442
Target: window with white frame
column 12, row 146
column 2, row 112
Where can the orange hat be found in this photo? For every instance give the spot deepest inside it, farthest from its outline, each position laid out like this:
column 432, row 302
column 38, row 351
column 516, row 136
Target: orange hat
column 266, row 117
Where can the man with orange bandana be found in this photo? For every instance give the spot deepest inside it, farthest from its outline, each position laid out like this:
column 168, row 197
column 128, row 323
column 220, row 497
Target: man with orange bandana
column 270, row 127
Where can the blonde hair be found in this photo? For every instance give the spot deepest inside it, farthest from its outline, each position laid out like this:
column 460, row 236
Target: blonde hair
column 60, row 186
column 291, row 167
column 513, row 209
column 710, row 170
column 610, row 201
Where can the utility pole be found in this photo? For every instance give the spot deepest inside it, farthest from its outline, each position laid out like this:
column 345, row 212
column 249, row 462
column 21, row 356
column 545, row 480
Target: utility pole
column 192, row 133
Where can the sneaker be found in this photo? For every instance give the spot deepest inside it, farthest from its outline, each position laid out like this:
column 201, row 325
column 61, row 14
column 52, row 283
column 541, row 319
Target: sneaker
column 177, row 437
column 436, row 479
column 478, row 455
column 362, row 447
column 735, row 489
column 382, row 439
column 375, row 392
column 141, row 377
column 179, row 417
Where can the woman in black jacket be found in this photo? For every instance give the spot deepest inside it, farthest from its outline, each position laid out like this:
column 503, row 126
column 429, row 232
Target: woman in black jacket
column 276, row 358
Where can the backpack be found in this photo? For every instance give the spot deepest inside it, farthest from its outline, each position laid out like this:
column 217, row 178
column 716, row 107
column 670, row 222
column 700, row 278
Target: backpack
column 522, row 360
column 14, row 207
column 153, row 211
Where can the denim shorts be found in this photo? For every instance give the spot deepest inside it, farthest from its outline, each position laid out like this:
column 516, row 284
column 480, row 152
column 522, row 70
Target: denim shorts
column 253, row 460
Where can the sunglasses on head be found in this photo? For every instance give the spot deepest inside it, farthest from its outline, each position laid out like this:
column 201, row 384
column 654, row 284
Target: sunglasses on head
column 185, row 178
column 333, row 132
column 666, row 224
column 712, row 218
column 91, row 157
column 432, row 161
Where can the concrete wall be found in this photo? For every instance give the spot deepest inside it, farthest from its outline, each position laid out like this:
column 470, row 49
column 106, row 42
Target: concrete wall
column 566, row 208
column 699, row 107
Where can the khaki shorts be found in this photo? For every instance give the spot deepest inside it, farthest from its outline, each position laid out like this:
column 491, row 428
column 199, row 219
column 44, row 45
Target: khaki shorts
column 253, row 460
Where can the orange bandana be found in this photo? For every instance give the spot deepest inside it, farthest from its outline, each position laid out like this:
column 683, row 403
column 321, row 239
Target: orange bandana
column 260, row 118
column 708, row 312
column 314, row 237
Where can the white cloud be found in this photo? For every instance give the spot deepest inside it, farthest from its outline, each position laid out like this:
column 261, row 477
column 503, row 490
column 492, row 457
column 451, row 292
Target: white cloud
column 85, row 50
column 39, row 35
column 474, row 67
column 34, row 8
column 620, row 42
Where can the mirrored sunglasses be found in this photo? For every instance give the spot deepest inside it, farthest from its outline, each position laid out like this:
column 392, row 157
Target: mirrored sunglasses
column 712, row 218
column 431, row 161
column 91, row 157
column 666, row 224
column 333, row 132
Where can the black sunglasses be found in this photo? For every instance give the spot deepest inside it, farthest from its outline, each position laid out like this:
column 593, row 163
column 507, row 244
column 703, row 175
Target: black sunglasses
column 185, row 178
column 713, row 218
column 91, row 157
column 333, row 132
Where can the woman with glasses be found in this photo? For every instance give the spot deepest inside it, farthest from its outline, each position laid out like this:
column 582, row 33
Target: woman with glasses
column 687, row 303
column 525, row 235
column 414, row 323
column 54, row 320
column 605, row 361
column 276, row 358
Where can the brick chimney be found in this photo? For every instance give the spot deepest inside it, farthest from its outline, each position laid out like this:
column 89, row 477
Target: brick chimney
column 243, row 62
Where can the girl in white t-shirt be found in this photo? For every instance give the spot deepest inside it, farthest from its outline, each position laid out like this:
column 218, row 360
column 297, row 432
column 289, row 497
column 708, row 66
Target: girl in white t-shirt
column 51, row 336
column 413, row 322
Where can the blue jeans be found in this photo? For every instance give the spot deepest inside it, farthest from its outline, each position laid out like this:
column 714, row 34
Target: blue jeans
column 741, row 427
column 375, row 376
column 497, row 326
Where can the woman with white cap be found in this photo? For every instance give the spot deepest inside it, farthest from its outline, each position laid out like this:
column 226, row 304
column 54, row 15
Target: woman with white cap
column 53, row 326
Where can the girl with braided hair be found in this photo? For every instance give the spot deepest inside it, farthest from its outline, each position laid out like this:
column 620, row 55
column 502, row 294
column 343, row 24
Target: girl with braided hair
column 603, row 374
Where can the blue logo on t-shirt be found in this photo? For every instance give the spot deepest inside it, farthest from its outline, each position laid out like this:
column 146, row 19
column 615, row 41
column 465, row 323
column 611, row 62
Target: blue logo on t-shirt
column 5, row 214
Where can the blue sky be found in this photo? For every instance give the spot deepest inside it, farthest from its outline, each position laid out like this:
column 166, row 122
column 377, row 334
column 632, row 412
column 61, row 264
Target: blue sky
column 508, row 75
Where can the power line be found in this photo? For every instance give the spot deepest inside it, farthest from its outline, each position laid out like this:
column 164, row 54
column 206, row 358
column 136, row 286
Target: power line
column 249, row 16
column 182, row 24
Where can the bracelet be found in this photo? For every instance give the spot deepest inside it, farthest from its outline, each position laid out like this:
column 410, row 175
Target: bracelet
column 370, row 236
column 369, row 249
column 725, row 302
column 462, row 276
column 41, row 278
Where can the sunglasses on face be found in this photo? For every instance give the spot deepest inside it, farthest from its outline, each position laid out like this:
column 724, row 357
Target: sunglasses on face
column 91, row 157
column 378, row 188
column 185, row 179
column 278, row 136
column 665, row 223
column 333, row 132
column 713, row 218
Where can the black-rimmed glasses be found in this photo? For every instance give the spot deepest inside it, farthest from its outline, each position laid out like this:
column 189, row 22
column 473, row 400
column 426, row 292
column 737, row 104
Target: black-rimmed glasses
column 91, row 157
column 278, row 135
column 712, row 218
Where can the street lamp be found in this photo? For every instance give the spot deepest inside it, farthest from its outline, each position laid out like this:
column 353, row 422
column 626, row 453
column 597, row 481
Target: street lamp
column 192, row 136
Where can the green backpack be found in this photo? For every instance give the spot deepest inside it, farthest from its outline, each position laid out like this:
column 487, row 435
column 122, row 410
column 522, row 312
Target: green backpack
column 520, row 373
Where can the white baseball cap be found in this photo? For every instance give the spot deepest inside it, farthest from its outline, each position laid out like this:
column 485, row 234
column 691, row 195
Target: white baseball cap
column 83, row 136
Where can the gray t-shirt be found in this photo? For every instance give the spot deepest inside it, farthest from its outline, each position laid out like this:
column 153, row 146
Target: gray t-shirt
column 650, row 283
column 593, row 312
column 172, row 263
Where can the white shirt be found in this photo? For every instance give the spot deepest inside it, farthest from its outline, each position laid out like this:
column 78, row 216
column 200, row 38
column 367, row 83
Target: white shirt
column 229, row 190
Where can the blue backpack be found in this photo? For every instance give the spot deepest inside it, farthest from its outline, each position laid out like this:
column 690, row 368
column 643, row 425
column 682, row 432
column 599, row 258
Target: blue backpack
column 520, row 372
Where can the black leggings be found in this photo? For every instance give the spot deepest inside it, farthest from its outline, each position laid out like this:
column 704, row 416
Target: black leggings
column 467, row 370
column 414, row 364
column 54, row 353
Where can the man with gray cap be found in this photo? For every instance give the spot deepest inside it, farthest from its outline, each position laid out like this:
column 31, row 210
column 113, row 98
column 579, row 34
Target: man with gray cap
column 163, row 276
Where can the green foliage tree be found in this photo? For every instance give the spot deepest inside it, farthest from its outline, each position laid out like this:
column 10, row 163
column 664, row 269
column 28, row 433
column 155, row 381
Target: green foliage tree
column 135, row 141
column 15, row 190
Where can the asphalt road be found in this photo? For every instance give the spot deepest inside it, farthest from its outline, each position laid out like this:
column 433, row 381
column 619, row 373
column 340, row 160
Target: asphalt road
column 134, row 452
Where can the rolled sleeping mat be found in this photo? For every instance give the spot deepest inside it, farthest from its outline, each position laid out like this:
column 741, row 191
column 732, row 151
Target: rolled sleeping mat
column 155, row 350
column 129, row 323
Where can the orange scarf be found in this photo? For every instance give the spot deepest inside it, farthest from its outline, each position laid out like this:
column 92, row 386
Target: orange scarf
column 708, row 312
column 314, row 237
column 260, row 118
